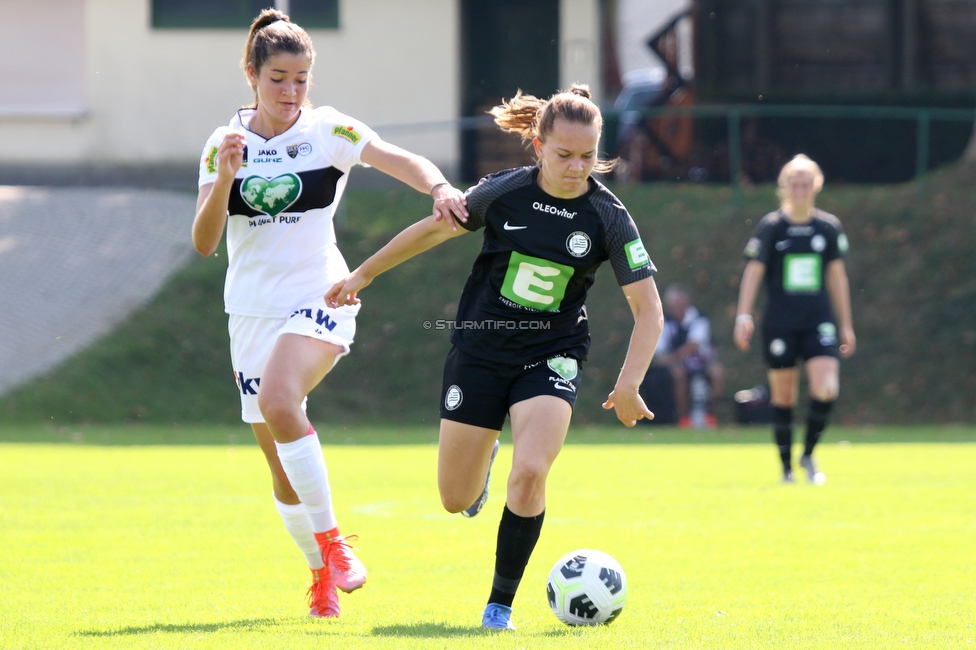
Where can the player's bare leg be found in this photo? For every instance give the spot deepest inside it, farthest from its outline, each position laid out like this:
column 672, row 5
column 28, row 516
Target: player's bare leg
column 463, row 459
column 539, row 427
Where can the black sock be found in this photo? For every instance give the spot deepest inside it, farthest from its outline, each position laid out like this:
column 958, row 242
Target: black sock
column 816, row 423
column 516, row 541
column 783, row 434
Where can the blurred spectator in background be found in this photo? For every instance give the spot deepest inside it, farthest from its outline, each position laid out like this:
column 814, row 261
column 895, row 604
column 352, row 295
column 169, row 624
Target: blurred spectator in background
column 685, row 348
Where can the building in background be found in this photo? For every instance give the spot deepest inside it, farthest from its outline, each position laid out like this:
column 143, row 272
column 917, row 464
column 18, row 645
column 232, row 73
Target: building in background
column 133, row 83
column 871, row 54
column 125, row 85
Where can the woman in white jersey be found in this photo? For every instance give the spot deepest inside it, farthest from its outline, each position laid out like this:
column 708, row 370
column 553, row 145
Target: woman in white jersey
column 273, row 177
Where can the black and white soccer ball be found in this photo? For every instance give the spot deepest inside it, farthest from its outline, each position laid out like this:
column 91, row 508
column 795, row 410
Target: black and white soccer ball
column 587, row 587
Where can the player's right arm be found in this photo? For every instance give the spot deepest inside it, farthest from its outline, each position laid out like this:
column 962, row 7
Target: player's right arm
column 208, row 225
column 748, row 289
column 412, row 241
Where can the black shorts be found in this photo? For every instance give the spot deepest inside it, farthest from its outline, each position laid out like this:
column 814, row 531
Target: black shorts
column 783, row 347
column 480, row 392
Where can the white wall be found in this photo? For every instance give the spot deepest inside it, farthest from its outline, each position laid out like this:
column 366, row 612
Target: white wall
column 579, row 47
column 114, row 90
column 154, row 96
column 48, row 80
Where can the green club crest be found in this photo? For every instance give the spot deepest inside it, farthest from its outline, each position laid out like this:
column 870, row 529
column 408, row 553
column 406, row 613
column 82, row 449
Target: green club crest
column 565, row 367
column 271, row 196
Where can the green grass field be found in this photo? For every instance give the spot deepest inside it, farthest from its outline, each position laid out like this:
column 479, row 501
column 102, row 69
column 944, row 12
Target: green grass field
column 110, row 542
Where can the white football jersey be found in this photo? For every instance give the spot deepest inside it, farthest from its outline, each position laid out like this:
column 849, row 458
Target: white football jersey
column 280, row 238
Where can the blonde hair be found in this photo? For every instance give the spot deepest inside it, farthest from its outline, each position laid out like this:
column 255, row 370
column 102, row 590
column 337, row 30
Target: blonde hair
column 272, row 32
column 800, row 163
column 531, row 117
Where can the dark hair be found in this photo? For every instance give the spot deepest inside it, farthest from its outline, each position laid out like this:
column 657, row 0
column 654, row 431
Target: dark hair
column 272, row 32
column 531, row 117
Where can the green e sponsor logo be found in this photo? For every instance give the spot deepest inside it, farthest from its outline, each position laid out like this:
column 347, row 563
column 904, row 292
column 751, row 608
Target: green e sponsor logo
column 535, row 283
column 636, row 255
column 801, row 273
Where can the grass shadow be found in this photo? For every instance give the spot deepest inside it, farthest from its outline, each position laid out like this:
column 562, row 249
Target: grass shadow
column 444, row 631
column 156, row 628
column 428, row 630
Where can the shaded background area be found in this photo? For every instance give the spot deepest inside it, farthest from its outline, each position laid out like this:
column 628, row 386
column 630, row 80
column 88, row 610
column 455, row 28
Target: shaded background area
column 912, row 272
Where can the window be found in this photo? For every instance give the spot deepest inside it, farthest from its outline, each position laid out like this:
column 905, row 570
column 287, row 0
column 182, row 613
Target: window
column 238, row 14
column 43, row 55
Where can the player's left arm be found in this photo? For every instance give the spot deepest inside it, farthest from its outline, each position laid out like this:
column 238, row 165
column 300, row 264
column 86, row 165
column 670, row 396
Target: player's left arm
column 839, row 290
column 420, row 174
column 412, row 241
column 645, row 304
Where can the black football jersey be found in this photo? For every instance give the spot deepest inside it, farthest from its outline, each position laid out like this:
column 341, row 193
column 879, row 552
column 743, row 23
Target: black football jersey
column 524, row 300
column 796, row 258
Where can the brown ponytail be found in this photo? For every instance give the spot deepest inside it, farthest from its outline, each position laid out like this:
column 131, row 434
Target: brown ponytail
column 531, row 117
column 272, row 32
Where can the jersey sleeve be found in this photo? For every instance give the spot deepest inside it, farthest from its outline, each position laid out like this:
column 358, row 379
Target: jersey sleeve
column 760, row 245
column 343, row 137
column 837, row 243
column 490, row 188
column 622, row 242
column 208, row 160
column 478, row 198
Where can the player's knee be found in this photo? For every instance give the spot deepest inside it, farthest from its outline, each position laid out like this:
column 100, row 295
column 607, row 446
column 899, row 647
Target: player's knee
column 826, row 391
column 826, row 394
column 274, row 406
column 528, row 478
column 454, row 503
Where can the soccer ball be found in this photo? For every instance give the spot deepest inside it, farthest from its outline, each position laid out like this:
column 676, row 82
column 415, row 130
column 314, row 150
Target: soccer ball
column 586, row 587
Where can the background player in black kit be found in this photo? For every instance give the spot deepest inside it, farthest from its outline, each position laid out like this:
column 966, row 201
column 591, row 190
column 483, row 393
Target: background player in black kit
column 521, row 330
column 799, row 251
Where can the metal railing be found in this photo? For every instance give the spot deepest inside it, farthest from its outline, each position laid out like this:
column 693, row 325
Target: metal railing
column 733, row 113
column 923, row 116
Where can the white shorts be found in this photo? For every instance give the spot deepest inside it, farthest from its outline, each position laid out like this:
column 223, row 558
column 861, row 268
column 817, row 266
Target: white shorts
column 253, row 337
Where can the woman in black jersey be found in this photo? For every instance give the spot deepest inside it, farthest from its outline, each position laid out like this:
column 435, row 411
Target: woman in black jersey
column 799, row 250
column 521, row 330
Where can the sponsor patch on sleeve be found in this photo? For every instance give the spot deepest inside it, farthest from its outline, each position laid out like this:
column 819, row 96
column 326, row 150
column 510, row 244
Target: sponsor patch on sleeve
column 753, row 247
column 636, row 254
column 211, row 160
column 347, row 132
column 842, row 243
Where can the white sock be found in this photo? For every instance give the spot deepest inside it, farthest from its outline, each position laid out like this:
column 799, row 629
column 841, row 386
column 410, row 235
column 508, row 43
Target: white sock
column 297, row 523
column 304, row 465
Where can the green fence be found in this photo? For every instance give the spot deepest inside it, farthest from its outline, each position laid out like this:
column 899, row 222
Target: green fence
column 734, row 113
